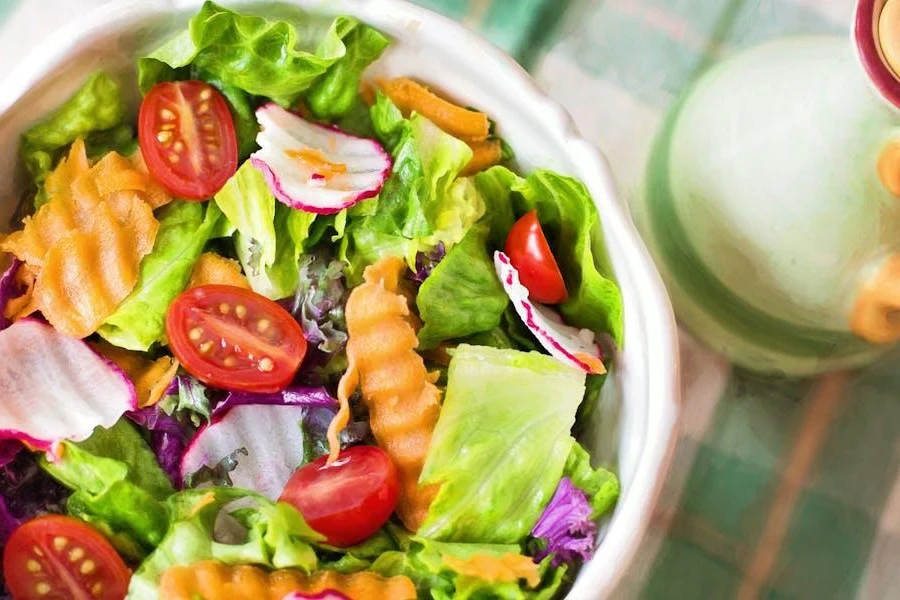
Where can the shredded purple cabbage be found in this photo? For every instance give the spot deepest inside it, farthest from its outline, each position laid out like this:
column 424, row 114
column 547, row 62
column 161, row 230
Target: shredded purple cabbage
column 27, row 491
column 319, row 302
column 168, row 438
column 427, row 261
column 292, row 396
column 566, row 526
column 9, row 290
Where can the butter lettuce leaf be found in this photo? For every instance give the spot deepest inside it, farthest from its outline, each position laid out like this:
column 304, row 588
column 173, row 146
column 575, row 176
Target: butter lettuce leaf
column 118, row 487
column 498, row 472
column 184, row 229
column 271, row 58
column 257, row 531
column 462, row 295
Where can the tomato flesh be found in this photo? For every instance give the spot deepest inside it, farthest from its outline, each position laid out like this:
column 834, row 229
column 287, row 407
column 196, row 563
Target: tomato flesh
column 528, row 250
column 235, row 339
column 187, row 138
column 348, row 500
column 61, row 557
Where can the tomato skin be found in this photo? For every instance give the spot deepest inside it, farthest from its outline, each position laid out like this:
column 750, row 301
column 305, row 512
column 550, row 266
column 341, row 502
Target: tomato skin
column 39, row 558
column 187, row 137
column 350, row 499
column 528, row 250
column 235, row 339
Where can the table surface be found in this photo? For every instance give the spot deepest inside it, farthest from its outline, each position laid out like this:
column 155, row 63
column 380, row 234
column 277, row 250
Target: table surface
column 781, row 488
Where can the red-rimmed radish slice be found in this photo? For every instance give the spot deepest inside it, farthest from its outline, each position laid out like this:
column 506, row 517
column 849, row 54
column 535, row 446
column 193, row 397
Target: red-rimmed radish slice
column 54, row 387
column 314, row 167
column 271, row 436
column 573, row 346
column 323, row 595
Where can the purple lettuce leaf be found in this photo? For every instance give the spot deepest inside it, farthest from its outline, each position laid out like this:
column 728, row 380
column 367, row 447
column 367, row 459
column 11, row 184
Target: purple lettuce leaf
column 426, row 262
column 318, row 304
column 565, row 527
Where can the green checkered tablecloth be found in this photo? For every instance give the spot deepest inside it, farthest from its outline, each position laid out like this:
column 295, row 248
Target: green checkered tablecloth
column 780, row 488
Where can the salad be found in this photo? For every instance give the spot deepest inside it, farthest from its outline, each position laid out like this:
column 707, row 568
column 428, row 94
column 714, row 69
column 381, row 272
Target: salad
column 293, row 332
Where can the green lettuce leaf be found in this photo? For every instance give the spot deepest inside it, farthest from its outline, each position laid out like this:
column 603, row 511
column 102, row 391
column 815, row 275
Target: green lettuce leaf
column 416, row 201
column 423, row 562
column 267, row 58
column 118, row 487
column 495, row 186
column 243, row 113
column 258, row 531
column 337, row 92
column 140, row 321
column 248, row 204
column 462, row 296
column 359, row 557
column 96, row 107
column 572, row 224
column 600, row 486
column 498, row 472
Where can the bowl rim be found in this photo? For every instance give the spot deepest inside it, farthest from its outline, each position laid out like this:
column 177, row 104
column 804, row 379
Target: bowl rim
column 599, row 576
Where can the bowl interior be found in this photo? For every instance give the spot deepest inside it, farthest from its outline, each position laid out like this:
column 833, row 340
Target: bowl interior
column 632, row 428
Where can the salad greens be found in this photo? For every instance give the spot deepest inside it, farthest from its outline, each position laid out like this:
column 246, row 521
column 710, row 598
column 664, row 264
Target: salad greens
column 494, row 485
column 353, row 187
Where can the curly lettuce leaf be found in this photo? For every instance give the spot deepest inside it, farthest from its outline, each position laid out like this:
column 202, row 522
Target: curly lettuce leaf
column 462, row 295
column 254, row 531
column 262, row 57
column 415, row 209
column 570, row 219
column 140, row 321
column 498, row 472
column 424, row 562
column 117, row 487
column 600, row 485
column 96, row 107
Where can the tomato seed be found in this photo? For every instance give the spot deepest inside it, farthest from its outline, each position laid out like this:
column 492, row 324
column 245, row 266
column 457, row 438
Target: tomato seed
column 178, row 146
column 203, row 108
column 167, row 115
column 241, row 311
column 230, row 361
column 224, row 308
column 59, row 543
column 206, row 347
column 195, row 334
column 266, row 364
column 43, row 588
column 164, row 137
column 87, row 567
column 206, row 94
column 76, row 555
column 97, row 589
column 262, row 325
column 33, row 566
column 173, row 158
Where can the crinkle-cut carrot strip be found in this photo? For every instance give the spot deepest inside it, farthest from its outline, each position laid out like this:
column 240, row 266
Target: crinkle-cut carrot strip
column 150, row 377
column 403, row 401
column 212, row 580
column 485, row 155
column 213, row 268
column 24, row 305
column 408, row 95
column 155, row 194
column 86, row 243
column 509, row 567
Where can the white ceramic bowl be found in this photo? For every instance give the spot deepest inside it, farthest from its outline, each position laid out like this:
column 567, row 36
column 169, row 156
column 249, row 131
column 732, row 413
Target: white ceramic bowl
column 634, row 429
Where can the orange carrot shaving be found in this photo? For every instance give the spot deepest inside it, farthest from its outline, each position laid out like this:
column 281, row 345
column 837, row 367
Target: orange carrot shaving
column 403, row 401
column 212, row 580
column 86, row 243
column 493, row 569
column 409, row 96
column 213, row 268
column 150, row 378
column 485, row 154
column 317, row 161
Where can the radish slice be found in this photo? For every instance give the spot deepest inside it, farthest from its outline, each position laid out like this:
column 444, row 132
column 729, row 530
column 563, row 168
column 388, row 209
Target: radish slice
column 316, row 168
column 272, row 436
column 573, row 346
column 54, row 387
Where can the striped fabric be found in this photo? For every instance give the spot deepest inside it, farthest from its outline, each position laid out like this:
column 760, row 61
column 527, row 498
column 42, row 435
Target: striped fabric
column 781, row 488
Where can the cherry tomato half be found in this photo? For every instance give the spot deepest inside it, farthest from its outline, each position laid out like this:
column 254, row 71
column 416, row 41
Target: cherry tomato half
column 62, row 557
column 530, row 254
column 348, row 500
column 187, row 137
column 235, row 339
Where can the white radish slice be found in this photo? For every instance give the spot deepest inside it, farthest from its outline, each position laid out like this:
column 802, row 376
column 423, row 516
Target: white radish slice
column 314, row 167
column 272, row 436
column 573, row 346
column 54, row 387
